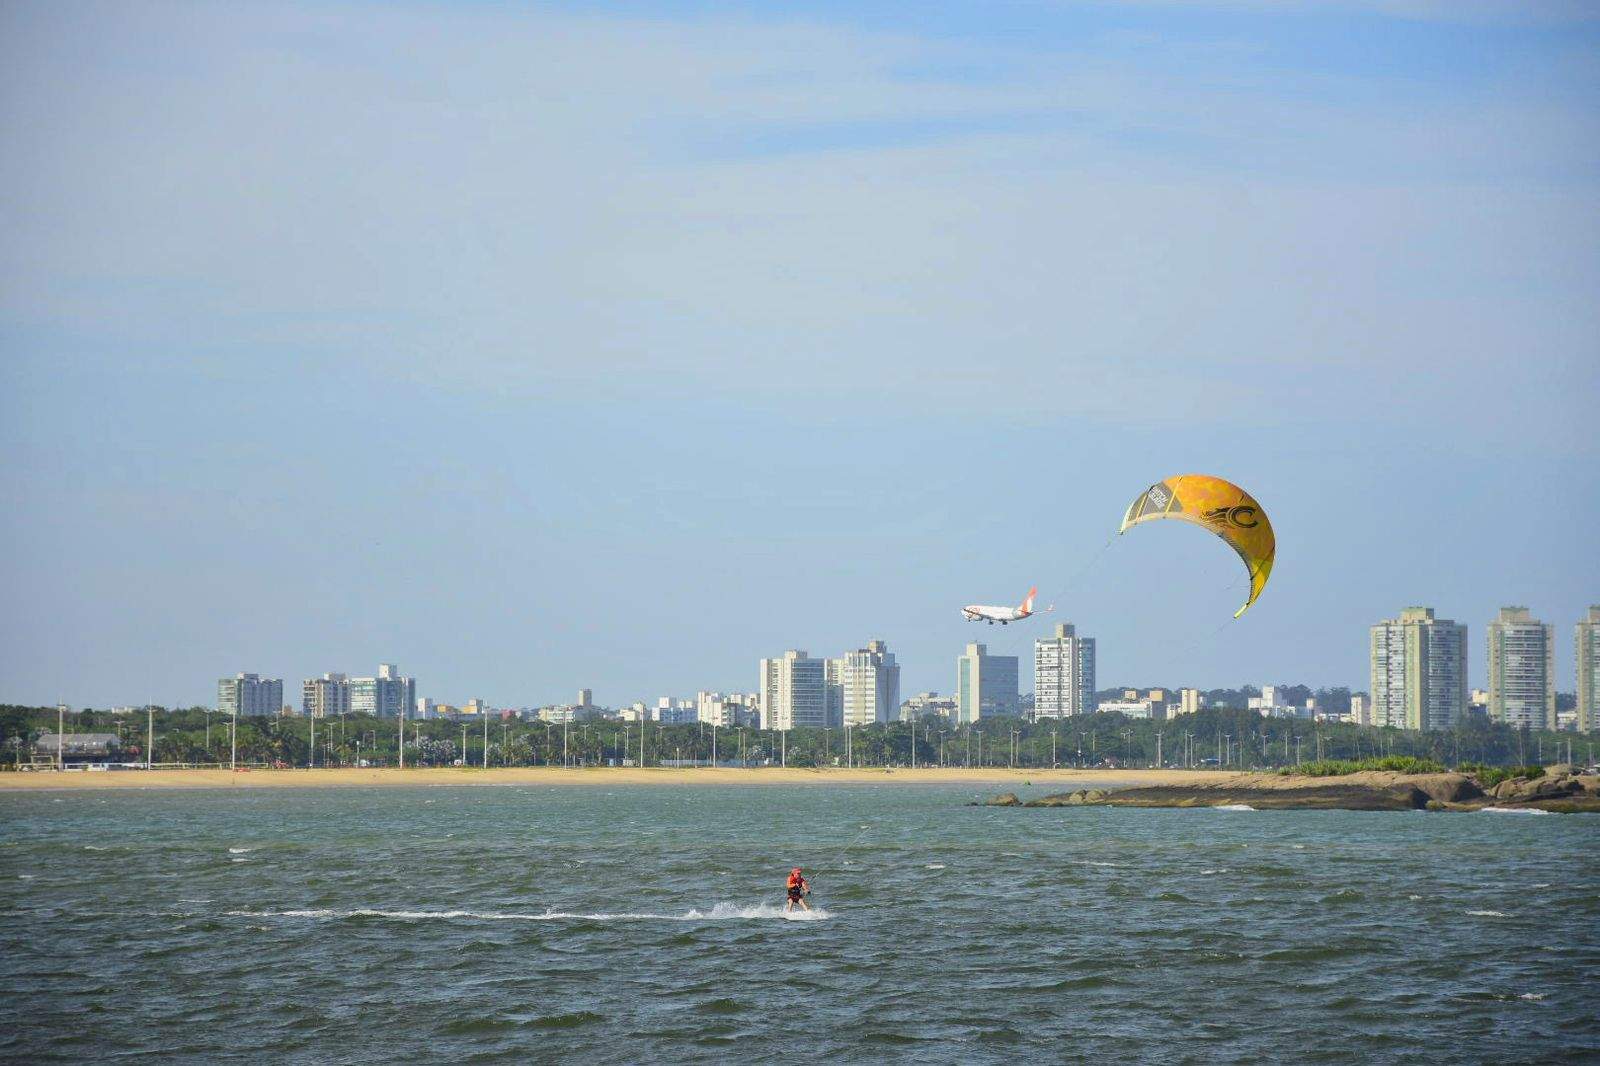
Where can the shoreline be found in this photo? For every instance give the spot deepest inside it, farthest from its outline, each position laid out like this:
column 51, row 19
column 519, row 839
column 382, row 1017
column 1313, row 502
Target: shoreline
column 584, row 777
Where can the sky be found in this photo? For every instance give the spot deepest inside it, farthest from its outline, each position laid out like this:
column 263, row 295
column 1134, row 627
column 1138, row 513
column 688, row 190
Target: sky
column 532, row 347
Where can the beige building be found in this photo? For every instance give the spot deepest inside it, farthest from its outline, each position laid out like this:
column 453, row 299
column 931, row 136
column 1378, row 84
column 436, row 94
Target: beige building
column 1522, row 670
column 1063, row 674
column 1419, row 671
column 864, row 686
column 794, row 691
column 985, row 685
column 1587, row 633
column 327, row 696
column 1360, row 708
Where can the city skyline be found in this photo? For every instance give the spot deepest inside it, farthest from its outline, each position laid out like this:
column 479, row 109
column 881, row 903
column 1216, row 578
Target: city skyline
column 837, row 677
column 781, row 353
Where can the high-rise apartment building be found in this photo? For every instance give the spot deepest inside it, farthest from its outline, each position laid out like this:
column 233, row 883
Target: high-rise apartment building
column 864, row 685
column 985, row 684
column 325, row 697
column 1419, row 671
column 1063, row 674
column 1522, row 670
column 387, row 696
column 1587, row 640
column 794, row 691
column 1189, row 700
column 250, row 695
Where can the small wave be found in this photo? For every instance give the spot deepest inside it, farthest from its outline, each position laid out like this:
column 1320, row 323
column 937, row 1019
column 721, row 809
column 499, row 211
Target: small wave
column 1233, row 807
column 1107, row 865
column 91, row 847
column 240, row 851
column 565, row 1021
column 1512, row 810
column 934, row 866
column 1489, row 914
column 1298, row 847
column 719, row 912
column 1221, row 870
column 26, row 877
column 1541, row 884
column 1534, row 996
column 1413, row 897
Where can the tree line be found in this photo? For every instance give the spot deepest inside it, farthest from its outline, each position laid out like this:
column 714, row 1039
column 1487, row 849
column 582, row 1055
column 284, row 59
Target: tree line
column 1213, row 737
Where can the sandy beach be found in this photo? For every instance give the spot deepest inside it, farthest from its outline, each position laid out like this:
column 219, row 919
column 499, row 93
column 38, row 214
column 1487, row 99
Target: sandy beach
column 607, row 776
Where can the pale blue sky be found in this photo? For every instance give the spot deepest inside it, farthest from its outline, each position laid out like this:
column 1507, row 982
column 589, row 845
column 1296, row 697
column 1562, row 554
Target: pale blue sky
column 533, row 347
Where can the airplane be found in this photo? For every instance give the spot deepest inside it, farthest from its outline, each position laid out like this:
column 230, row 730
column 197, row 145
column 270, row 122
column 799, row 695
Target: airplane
column 978, row 612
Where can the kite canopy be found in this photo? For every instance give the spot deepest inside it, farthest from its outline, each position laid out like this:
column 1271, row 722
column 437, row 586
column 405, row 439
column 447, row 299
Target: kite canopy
column 1220, row 506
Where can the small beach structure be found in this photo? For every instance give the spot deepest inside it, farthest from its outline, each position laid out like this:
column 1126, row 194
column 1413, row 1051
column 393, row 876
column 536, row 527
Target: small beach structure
column 76, row 749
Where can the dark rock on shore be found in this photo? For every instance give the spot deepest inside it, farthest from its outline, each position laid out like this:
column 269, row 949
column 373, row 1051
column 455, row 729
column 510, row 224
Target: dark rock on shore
column 1329, row 796
column 1558, row 790
column 1005, row 799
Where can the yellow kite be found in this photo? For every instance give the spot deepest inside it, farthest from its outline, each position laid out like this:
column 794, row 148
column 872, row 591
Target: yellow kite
column 1220, row 506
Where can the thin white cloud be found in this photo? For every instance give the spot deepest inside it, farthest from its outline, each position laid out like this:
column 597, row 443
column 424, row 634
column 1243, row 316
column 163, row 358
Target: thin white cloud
column 550, row 205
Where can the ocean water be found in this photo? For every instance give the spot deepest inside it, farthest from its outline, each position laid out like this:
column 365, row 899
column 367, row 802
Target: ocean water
column 644, row 923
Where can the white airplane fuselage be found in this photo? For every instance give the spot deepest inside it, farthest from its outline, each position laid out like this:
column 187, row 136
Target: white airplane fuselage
column 983, row 612
column 980, row 612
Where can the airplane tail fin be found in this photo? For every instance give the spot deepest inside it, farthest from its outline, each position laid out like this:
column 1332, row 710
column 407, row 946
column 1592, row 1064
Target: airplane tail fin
column 1027, row 604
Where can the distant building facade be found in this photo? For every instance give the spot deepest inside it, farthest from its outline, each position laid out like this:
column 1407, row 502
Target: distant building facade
column 1587, row 645
column 76, row 749
column 250, row 695
column 672, row 711
column 925, row 703
column 985, row 685
column 1522, row 670
column 868, row 685
column 1145, row 708
column 733, row 710
column 325, row 697
column 794, row 691
column 386, row 696
column 1190, row 701
column 1063, row 674
column 1419, row 671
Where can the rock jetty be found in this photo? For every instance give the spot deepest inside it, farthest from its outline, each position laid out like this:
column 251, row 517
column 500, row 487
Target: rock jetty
column 1561, row 789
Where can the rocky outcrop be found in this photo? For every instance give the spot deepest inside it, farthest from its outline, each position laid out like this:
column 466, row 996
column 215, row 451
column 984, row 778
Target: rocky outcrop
column 1005, row 799
column 1366, row 791
column 1561, row 788
column 1448, row 788
column 1328, row 794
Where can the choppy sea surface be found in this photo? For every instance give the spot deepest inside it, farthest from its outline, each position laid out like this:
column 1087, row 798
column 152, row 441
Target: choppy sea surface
column 645, row 923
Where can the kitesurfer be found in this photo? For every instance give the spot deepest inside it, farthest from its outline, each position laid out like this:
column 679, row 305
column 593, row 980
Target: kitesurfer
column 799, row 889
